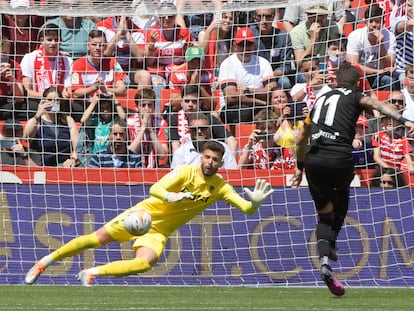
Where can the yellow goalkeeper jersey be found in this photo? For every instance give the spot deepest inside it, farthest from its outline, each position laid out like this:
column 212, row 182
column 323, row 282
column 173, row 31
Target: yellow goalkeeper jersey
column 167, row 217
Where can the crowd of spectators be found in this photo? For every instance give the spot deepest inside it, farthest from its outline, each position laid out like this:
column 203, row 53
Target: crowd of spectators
column 62, row 78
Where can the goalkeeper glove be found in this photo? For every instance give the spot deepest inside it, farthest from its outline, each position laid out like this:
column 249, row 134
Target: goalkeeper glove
column 261, row 191
column 178, row 196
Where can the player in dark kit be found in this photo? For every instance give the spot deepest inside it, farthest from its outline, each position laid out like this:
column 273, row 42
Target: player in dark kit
column 328, row 161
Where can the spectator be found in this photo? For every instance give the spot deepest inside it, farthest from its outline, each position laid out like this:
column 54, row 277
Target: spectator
column 46, row 67
column 408, row 92
column 390, row 147
column 387, row 178
column 74, row 31
column 98, row 117
column 166, row 45
column 179, row 132
column 216, row 40
column 362, row 145
column 12, row 150
column 190, row 152
column 245, row 81
column 22, row 29
column 11, row 87
column 396, row 98
column 126, row 42
column 310, row 37
column 319, row 82
column 95, row 74
column 289, row 121
column 192, row 72
column 274, row 45
column 261, row 152
column 52, row 133
column 294, row 14
column 119, row 154
column 147, row 130
column 373, row 47
column 403, row 29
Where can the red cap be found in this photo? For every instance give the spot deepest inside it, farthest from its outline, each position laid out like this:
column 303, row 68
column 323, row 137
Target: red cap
column 362, row 121
column 244, row 34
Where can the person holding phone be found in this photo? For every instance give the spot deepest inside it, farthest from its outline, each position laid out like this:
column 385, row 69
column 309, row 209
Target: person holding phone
column 52, row 133
column 12, row 150
column 261, row 150
column 11, row 87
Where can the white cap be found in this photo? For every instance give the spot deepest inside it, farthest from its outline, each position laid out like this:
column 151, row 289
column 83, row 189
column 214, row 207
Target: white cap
column 19, row 4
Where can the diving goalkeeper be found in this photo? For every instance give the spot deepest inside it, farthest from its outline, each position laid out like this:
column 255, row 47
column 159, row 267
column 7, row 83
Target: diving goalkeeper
column 174, row 200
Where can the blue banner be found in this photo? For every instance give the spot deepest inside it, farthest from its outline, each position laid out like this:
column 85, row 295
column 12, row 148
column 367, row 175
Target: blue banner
column 275, row 246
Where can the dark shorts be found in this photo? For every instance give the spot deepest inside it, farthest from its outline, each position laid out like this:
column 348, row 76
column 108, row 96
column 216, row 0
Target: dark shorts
column 326, row 175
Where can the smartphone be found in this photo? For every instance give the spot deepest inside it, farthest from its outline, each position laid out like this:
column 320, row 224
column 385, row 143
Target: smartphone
column 4, row 59
column 322, row 68
column 296, row 110
column 7, row 143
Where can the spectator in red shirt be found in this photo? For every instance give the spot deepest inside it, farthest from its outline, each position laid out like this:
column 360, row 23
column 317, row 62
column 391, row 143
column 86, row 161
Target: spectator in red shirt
column 95, row 74
column 11, row 87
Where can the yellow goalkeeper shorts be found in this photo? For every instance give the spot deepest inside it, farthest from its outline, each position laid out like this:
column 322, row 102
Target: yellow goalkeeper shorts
column 152, row 239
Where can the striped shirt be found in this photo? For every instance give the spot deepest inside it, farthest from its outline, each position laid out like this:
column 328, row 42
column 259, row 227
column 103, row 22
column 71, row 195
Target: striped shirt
column 392, row 150
column 106, row 158
column 404, row 51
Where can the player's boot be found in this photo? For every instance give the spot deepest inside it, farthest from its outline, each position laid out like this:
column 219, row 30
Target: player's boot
column 85, row 278
column 333, row 284
column 34, row 273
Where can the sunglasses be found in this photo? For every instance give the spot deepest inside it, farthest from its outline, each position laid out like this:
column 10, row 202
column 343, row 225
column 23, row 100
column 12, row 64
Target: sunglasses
column 199, row 128
column 265, row 16
column 397, row 101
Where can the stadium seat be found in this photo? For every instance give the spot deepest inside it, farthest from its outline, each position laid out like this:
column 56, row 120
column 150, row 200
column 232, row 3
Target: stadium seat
column 127, row 101
column 382, row 95
column 242, row 133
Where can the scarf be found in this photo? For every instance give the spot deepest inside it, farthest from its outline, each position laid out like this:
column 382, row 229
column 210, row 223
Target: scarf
column 44, row 75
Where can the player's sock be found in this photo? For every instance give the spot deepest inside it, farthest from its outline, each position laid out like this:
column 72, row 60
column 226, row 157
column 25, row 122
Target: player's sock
column 76, row 246
column 47, row 260
column 324, row 260
column 324, row 236
column 124, row 267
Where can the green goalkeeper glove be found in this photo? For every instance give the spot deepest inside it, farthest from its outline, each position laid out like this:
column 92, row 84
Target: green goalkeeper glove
column 261, row 191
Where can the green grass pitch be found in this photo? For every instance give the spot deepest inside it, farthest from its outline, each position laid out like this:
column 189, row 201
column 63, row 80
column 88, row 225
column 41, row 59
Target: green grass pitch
column 172, row 298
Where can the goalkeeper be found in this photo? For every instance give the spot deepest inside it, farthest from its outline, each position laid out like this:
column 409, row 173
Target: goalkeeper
column 174, row 200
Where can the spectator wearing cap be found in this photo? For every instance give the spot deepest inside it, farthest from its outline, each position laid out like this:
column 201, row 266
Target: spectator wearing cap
column 310, row 37
column 361, row 145
column 12, row 150
column 294, row 13
column 245, row 80
column 192, row 72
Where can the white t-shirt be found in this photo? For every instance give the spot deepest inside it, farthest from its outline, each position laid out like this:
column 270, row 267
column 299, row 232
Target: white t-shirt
column 408, row 112
column 251, row 74
column 358, row 44
column 187, row 154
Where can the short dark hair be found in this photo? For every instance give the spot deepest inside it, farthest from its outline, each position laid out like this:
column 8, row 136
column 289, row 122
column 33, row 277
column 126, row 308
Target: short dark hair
column 96, row 33
column 190, row 89
column 347, row 75
column 145, row 94
column 49, row 29
column 374, row 11
column 215, row 146
column 197, row 116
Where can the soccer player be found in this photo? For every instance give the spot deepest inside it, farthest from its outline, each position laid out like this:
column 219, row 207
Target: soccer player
column 329, row 163
column 174, row 200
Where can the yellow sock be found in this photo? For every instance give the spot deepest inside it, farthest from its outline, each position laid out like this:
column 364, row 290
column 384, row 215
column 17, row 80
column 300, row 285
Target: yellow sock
column 124, row 267
column 76, row 246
